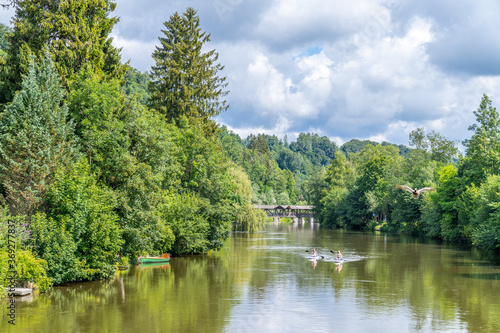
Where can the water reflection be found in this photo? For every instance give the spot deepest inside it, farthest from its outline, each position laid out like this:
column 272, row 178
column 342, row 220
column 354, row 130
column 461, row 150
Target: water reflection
column 263, row 282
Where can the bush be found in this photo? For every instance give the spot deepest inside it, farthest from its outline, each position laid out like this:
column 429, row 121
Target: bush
column 29, row 269
column 79, row 237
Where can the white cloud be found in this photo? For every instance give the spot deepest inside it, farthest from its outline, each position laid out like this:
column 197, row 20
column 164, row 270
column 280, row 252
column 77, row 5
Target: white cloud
column 295, row 90
column 137, row 51
column 6, row 15
column 346, row 69
column 280, row 129
column 297, row 21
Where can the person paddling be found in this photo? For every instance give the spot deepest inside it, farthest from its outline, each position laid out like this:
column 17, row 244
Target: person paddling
column 339, row 255
column 314, row 253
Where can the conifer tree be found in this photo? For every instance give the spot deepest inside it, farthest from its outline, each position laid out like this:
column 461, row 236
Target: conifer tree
column 35, row 138
column 75, row 32
column 185, row 80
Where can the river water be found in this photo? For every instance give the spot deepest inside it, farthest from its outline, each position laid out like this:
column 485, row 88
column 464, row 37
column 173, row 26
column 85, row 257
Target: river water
column 263, row 282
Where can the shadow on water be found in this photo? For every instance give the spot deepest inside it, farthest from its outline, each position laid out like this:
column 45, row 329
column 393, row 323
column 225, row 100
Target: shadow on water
column 258, row 281
column 490, row 276
column 474, row 263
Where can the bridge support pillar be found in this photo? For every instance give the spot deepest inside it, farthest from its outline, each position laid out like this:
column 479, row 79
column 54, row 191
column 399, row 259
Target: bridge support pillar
column 276, row 220
column 295, row 220
column 311, row 219
column 302, row 220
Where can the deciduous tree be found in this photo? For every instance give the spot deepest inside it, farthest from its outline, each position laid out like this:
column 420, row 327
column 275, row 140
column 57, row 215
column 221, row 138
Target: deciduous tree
column 483, row 149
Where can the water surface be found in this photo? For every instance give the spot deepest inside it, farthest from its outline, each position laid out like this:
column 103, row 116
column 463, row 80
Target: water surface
column 263, row 282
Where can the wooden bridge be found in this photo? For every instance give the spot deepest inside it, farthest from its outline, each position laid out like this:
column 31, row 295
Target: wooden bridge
column 277, row 211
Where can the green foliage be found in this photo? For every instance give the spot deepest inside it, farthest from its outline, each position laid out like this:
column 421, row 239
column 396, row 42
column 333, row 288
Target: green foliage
column 4, row 31
column 448, row 198
column 136, row 85
column 31, row 269
column 205, row 172
column 275, row 170
column 405, row 215
column 247, row 218
column 259, row 144
column 320, row 150
column 184, row 80
column 185, row 215
column 486, row 220
column 232, row 145
column 28, row 268
column 331, row 207
column 360, row 190
column 79, row 236
column 483, row 149
column 146, row 161
column 442, row 215
column 4, row 268
column 97, row 107
column 340, row 173
column 35, row 138
column 316, row 188
column 132, row 150
column 339, row 177
column 372, row 174
column 355, row 146
column 4, row 43
column 57, row 246
column 75, row 33
column 433, row 145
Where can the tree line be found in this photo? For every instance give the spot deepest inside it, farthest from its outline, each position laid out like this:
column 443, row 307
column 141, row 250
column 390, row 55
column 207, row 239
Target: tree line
column 277, row 169
column 99, row 163
column 359, row 190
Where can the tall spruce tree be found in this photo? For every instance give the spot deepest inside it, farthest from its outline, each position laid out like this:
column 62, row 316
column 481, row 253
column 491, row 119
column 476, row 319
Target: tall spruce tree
column 185, row 80
column 76, row 33
column 35, row 138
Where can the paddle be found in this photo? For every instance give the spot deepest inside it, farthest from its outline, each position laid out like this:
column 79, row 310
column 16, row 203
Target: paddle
column 322, row 257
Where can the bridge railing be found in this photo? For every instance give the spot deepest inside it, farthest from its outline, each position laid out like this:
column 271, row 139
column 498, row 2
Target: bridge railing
column 287, row 210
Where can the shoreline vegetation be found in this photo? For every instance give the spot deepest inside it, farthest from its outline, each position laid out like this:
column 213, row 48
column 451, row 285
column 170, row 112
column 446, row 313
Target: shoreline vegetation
column 101, row 164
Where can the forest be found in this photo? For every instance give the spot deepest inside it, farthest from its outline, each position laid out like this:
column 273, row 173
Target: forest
column 100, row 163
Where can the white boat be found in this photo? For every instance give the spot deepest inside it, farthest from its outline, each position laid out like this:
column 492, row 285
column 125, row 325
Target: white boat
column 315, row 257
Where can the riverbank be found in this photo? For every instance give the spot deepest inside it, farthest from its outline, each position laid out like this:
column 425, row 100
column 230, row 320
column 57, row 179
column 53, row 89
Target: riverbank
column 258, row 280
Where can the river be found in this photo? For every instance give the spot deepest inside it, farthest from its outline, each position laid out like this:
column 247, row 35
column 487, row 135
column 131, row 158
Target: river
column 263, row 282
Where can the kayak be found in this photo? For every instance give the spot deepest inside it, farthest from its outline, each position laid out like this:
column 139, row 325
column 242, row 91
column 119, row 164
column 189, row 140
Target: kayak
column 315, row 257
column 339, row 261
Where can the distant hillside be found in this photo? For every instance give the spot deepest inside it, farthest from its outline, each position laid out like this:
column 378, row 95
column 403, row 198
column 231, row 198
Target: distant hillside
column 356, row 145
column 280, row 170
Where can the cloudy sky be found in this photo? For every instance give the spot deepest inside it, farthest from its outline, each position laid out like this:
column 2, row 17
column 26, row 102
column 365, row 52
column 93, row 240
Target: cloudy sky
column 366, row 69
